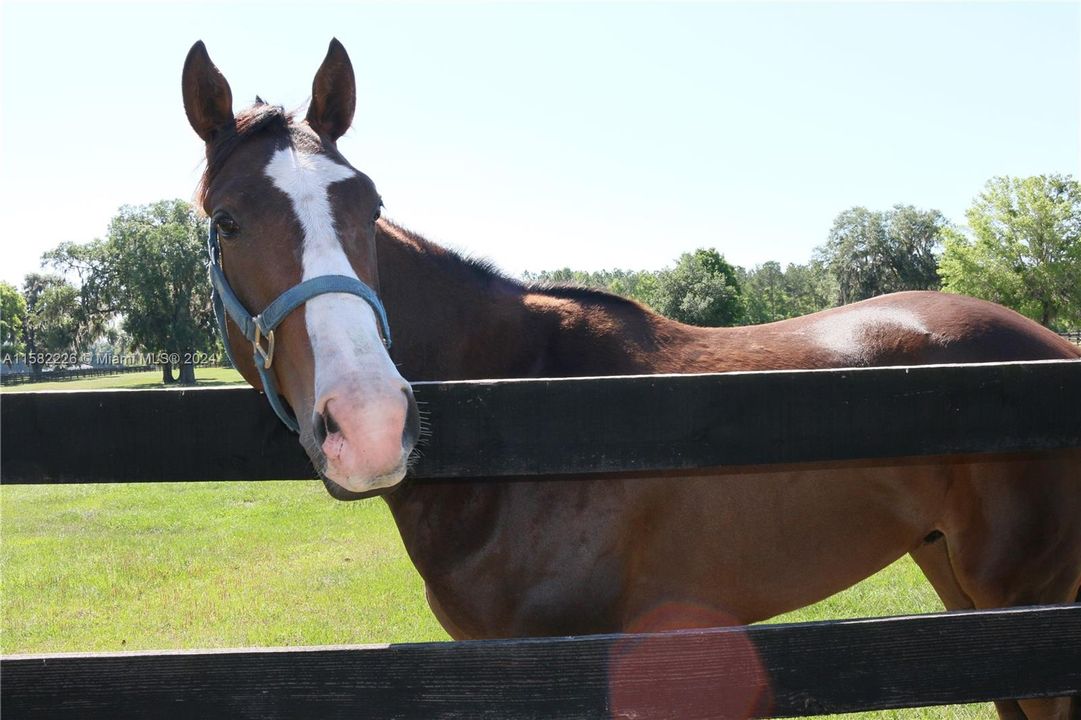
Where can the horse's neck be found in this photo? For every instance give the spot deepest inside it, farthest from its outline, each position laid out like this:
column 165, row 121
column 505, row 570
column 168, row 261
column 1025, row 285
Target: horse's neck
column 447, row 323
column 452, row 320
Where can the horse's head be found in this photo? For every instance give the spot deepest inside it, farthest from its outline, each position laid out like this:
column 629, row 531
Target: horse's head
column 287, row 208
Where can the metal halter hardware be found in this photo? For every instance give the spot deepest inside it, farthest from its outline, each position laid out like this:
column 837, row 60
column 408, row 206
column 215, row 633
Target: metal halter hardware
column 257, row 328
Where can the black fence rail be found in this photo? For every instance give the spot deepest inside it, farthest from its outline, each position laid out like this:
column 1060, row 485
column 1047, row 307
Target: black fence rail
column 28, row 378
column 1073, row 336
column 575, row 428
column 756, row 671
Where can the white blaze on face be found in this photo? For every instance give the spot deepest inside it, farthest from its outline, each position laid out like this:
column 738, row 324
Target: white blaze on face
column 353, row 373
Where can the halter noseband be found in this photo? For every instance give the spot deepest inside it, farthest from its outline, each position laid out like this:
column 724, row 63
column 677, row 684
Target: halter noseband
column 257, row 328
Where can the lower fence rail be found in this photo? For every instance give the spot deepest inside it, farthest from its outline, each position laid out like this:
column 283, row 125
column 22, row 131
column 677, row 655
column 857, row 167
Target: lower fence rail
column 756, row 671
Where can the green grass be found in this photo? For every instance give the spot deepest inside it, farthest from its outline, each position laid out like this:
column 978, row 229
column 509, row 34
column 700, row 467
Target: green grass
column 149, row 380
column 203, row 565
column 160, row 566
column 900, row 589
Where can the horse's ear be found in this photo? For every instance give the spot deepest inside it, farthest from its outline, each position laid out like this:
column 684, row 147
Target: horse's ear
column 334, row 94
column 207, row 97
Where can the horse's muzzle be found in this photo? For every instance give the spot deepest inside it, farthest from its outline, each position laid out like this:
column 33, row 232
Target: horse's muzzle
column 363, row 447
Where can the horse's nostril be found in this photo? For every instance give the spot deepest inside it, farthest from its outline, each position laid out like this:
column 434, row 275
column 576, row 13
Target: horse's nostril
column 330, row 425
column 324, row 425
column 319, row 428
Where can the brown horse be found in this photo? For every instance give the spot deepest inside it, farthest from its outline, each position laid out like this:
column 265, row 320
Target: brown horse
column 555, row 558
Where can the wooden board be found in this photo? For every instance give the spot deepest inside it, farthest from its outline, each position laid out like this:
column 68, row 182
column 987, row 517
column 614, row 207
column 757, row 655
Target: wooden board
column 779, row 670
column 568, row 427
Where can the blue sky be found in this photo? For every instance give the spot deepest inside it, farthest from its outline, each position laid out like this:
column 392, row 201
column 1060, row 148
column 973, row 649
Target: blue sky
column 549, row 135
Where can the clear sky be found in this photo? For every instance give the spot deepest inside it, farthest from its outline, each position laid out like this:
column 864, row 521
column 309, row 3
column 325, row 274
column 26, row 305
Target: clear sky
column 550, row 135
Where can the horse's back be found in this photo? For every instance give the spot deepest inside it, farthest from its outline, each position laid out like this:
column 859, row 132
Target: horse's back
column 924, row 327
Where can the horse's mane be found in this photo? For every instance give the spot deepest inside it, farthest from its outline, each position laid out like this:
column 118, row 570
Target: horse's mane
column 474, row 269
column 485, row 273
column 258, row 118
column 584, row 293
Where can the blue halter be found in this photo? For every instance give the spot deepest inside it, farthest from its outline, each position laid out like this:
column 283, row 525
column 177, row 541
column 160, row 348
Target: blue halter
column 257, row 328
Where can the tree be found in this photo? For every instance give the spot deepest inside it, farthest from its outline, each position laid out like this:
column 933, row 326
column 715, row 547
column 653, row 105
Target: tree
column 50, row 324
column 640, row 285
column 771, row 294
column 87, row 263
column 873, row 253
column 1022, row 249
column 152, row 268
column 702, row 289
column 811, row 288
column 636, row 284
column 765, row 294
column 12, row 318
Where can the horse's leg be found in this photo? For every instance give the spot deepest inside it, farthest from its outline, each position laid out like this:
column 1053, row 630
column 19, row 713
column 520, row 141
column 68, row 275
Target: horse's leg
column 1037, row 709
column 1059, row 590
column 455, row 632
column 933, row 558
column 1013, row 539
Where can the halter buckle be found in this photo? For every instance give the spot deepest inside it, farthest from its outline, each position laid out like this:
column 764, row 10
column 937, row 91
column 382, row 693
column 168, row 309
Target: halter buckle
column 266, row 355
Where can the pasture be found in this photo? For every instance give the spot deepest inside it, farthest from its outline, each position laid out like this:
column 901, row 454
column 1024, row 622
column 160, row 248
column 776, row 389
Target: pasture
column 149, row 380
column 207, row 565
column 142, row 567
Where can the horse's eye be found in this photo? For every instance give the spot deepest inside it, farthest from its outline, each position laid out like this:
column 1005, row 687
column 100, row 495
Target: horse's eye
column 378, row 211
column 226, row 226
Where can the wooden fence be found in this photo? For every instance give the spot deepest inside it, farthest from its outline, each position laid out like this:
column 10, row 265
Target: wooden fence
column 1073, row 336
column 69, row 374
column 574, row 428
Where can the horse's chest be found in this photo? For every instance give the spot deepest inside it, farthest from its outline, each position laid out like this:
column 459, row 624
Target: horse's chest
column 551, row 560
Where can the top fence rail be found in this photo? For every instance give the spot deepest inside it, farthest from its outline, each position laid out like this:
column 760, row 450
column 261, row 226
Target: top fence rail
column 568, row 427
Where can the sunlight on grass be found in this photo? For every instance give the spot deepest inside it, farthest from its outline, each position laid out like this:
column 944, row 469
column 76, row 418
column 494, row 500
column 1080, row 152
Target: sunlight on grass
column 899, row 590
column 202, row 565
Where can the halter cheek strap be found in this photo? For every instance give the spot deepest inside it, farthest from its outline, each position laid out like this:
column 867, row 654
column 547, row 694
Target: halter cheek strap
column 259, row 329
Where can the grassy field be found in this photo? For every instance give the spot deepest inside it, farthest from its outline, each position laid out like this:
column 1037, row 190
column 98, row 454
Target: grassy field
column 206, row 565
column 222, row 564
column 149, row 380
column 203, row 565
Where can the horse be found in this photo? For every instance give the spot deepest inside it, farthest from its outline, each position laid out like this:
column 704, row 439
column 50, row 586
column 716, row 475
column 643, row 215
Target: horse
column 529, row 558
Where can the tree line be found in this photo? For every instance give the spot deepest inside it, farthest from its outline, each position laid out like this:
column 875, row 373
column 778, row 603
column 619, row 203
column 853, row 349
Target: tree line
column 143, row 288
column 1020, row 247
